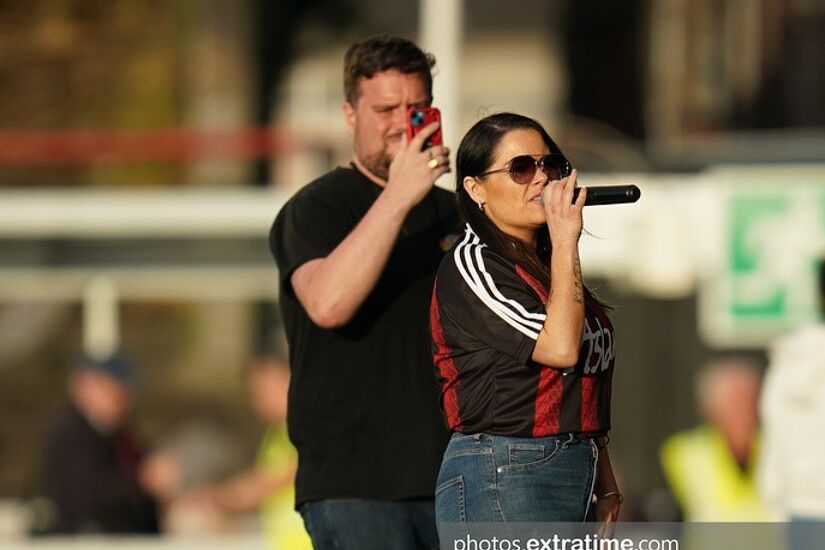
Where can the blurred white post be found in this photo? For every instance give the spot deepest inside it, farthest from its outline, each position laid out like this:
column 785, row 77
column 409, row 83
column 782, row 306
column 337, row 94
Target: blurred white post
column 101, row 317
column 441, row 33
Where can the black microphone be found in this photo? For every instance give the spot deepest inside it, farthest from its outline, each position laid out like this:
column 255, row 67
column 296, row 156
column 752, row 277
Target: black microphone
column 609, row 194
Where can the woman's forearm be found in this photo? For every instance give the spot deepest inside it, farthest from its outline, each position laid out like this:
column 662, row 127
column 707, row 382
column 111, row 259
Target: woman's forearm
column 605, row 479
column 559, row 341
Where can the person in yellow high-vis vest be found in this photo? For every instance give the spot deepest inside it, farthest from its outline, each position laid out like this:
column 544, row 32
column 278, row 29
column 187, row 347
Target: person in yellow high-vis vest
column 711, row 469
column 268, row 486
column 283, row 527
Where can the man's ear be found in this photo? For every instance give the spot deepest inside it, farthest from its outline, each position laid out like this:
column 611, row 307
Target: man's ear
column 349, row 117
column 475, row 189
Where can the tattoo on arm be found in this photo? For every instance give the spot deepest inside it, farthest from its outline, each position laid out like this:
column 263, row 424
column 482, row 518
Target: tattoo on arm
column 577, row 272
column 578, row 286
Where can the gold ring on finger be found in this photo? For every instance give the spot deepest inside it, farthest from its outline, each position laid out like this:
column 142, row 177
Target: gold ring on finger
column 433, row 163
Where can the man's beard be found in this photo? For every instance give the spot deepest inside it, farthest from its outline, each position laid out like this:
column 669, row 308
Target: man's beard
column 378, row 164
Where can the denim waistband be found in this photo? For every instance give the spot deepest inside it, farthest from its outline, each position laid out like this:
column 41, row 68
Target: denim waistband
column 485, row 439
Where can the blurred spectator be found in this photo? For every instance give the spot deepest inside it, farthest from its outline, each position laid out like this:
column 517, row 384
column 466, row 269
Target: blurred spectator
column 269, row 485
column 711, row 469
column 92, row 458
column 200, row 452
column 792, row 474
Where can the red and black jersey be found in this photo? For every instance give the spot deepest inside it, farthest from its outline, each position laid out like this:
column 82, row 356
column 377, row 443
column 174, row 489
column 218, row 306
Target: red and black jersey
column 485, row 317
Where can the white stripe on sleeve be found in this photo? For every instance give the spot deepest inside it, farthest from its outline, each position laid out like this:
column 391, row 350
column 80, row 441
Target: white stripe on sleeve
column 470, row 264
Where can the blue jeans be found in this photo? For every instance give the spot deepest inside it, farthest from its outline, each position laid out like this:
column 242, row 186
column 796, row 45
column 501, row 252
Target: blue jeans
column 489, row 478
column 361, row 524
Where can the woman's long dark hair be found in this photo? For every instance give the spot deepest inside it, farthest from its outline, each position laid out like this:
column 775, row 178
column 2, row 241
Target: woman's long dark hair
column 474, row 157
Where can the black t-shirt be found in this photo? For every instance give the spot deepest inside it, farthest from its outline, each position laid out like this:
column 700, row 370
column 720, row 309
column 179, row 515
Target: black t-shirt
column 363, row 404
column 486, row 315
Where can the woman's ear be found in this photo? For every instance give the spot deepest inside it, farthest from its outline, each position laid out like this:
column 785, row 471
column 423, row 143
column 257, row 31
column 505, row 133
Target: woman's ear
column 475, row 189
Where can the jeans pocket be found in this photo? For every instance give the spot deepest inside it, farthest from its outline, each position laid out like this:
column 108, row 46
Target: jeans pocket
column 522, row 456
column 449, row 501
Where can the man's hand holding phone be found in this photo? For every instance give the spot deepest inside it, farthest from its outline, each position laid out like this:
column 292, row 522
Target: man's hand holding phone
column 417, row 166
column 419, row 118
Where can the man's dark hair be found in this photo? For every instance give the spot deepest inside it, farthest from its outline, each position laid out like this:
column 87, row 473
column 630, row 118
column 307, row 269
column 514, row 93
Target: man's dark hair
column 383, row 53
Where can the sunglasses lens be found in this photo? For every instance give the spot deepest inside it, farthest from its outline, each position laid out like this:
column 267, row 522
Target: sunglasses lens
column 522, row 169
column 555, row 166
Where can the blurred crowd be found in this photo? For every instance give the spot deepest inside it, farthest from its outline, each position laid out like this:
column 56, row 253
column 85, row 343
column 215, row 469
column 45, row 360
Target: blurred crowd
column 755, row 457
column 98, row 479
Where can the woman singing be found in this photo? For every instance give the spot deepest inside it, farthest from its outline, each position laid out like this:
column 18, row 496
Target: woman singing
column 524, row 352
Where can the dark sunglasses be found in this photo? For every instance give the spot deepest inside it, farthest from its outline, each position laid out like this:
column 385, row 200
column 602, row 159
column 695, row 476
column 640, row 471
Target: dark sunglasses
column 523, row 168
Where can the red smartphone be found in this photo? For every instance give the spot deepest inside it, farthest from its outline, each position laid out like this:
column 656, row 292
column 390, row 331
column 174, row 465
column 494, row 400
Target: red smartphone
column 420, row 117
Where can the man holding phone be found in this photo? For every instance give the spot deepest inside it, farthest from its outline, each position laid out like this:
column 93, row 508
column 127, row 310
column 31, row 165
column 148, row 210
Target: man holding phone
column 357, row 251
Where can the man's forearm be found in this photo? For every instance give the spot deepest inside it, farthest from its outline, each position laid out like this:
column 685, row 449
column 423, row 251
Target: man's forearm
column 332, row 289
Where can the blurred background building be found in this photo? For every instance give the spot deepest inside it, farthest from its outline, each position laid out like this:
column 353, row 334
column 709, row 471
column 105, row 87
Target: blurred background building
column 146, row 146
